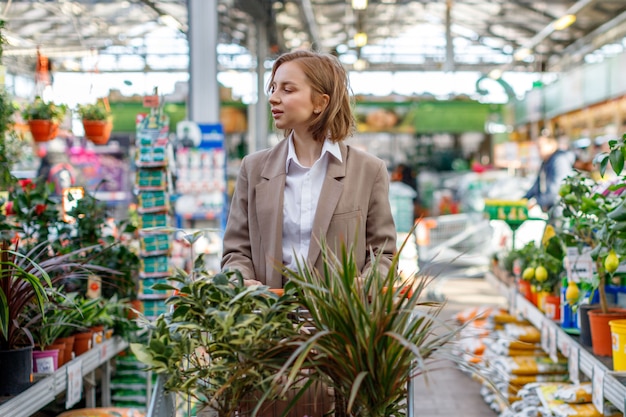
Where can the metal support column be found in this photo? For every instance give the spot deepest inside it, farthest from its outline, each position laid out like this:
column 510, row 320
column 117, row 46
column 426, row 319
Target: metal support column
column 204, row 102
column 261, row 110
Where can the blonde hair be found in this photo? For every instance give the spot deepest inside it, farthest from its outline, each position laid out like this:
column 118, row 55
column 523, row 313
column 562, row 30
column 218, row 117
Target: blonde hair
column 326, row 76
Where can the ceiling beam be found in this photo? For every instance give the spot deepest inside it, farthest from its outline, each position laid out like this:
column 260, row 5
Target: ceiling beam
column 602, row 35
column 308, row 17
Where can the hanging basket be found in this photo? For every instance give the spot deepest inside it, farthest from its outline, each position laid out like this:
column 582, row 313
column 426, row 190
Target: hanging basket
column 43, row 130
column 98, row 131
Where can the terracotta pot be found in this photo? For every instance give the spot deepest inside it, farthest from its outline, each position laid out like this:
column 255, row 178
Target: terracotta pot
column 82, row 342
column 98, row 131
column 69, row 348
column 523, row 287
column 60, row 346
column 43, row 130
column 601, row 331
column 552, row 307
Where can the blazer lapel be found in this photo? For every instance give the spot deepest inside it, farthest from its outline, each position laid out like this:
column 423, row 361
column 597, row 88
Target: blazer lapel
column 269, row 203
column 329, row 197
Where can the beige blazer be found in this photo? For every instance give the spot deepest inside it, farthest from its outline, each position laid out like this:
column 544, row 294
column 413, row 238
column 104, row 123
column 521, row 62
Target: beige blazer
column 354, row 202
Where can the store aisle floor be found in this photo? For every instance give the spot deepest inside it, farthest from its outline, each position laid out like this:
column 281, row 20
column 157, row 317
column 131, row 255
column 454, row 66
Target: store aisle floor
column 447, row 391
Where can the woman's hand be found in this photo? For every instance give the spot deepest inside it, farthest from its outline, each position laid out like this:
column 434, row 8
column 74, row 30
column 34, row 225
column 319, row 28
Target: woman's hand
column 249, row 282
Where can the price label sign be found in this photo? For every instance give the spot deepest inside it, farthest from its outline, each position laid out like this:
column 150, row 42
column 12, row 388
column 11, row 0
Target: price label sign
column 573, row 365
column 598, row 389
column 545, row 337
column 578, row 265
column 74, row 387
column 554, row 352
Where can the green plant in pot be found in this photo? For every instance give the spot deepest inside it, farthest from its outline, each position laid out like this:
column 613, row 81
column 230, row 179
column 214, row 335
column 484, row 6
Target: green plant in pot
column 222, row 343
column 26, row 281
column 594, row 223
column 389, row 332
column 43, row 118
column 97, row 121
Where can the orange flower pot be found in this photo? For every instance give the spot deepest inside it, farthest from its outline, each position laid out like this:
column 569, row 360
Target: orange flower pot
column 98, row 131
column 43, row 130
column 601, row 331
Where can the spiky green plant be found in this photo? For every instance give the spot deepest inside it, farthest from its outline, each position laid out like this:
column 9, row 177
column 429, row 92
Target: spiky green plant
column 373, row 333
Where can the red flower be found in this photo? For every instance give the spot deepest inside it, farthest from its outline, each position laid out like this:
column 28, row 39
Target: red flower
column 27, row 184
column 39, row 209
column 8, row 208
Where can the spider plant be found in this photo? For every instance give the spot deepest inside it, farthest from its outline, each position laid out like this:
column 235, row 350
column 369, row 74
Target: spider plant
column 28, row 279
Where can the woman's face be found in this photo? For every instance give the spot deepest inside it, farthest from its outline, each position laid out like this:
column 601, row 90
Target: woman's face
column 290, row 98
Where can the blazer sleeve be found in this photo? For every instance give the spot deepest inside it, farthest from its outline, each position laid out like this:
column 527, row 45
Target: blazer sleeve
column 237, row 252
column 380, row 227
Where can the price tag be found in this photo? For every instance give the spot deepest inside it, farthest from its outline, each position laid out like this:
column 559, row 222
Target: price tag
column 545, row 336
column 564, row 346
column 578, row 266
column 71, row 196
column 598, row 389
column 554, row 352
column 103, row 352
column 74, row 389
column 512, row 300
column 573, row 365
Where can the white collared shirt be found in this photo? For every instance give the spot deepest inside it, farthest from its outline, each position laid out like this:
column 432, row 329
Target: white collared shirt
column 303, row 187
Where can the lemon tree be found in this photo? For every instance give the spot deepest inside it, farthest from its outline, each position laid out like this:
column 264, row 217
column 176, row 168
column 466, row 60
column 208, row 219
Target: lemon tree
column 597, row 217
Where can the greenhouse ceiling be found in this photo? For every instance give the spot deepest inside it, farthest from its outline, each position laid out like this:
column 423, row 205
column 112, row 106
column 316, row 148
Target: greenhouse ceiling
column 391, row 35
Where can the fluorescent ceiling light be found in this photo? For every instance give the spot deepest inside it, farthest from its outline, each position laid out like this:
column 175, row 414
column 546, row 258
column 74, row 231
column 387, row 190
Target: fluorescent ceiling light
column 360, row 39
column 359, row 4
column 564, row 22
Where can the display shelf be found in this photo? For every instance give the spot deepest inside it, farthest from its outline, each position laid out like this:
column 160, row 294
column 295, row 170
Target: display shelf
column 614, row 387
column 45, row 391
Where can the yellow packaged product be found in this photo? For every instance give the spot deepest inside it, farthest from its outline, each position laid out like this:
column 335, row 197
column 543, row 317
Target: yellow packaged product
column 523, row 332
column 574, row 393
column 530, row 365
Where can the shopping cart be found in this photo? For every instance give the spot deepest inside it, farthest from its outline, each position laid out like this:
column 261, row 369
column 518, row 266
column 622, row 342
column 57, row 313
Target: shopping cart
column 460, row 240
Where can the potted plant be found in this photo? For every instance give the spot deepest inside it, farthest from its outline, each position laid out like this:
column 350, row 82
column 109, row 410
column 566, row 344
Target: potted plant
column 221, row 343
column 204, row 347
column 97, row 121
column 369, row 319
column 43, row 118
column 592, row 212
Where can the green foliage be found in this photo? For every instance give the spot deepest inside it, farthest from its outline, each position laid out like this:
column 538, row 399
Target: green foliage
column 549, row 256
column 371, row 334
column 41, row 110
column 95, row 111
column 223, row 342
column 595, row 216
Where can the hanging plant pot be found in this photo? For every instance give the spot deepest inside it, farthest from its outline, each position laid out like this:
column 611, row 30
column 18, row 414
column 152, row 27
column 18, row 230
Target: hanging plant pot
column 43, row 130
column 98, row 131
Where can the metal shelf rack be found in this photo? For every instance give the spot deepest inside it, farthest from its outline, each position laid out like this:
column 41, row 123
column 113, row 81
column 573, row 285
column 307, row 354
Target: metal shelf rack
column 613, row 388
column 45, row 391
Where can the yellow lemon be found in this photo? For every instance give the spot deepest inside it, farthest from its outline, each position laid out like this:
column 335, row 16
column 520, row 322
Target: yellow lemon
column 572, row 293
column 541, row 274
column 528, row 274
column 611, row 262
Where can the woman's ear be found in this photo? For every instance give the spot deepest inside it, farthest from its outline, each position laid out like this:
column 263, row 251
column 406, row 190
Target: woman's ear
column 321, row 103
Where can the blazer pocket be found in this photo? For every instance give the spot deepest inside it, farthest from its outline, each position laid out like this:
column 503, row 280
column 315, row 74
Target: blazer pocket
column 348, row 229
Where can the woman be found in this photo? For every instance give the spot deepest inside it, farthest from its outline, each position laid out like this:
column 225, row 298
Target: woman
column 310, row 187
